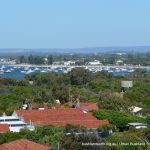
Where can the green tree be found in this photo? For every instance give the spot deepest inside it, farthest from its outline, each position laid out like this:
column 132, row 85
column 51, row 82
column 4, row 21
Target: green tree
column 79, row 76
column 50, row 60
column 119, row 119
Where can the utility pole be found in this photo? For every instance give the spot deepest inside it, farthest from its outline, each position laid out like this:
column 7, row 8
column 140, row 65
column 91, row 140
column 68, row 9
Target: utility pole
column 58, row 146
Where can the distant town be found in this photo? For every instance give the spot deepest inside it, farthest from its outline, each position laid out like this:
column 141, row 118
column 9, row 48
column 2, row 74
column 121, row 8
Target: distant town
column 72, row 97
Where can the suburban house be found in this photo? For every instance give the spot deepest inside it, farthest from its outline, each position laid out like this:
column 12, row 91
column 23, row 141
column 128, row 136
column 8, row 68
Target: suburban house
column 69, row 63
column 95, row 63
column 136, row 111
column 14, row 123
column 61, row 117
column 57, row 117
column 23, row 144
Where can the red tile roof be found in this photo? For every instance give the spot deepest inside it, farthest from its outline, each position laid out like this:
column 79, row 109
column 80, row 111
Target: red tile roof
column 89, row 106
column 4, row 128
column 61, row 117
column 23, row 144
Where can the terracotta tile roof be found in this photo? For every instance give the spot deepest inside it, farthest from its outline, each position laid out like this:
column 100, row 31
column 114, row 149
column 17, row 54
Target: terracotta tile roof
column 88, row 124
column 61, row 117
column 89, row 106
column 4, row 128
column 23, row 144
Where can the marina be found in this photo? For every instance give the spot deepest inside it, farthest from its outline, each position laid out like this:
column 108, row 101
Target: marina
column 19, row 71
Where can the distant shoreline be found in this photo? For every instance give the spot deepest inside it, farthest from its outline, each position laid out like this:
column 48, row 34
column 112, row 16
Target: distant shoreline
column 74, row 66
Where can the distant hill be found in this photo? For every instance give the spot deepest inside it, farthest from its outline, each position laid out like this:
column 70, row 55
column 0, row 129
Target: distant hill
column 19, row 51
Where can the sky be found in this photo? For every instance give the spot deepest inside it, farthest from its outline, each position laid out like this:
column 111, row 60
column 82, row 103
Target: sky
column 74, row 23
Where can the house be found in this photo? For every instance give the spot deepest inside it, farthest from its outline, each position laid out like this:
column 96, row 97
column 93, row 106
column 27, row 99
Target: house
column 23, row 144
column 61, row 117
column 95, row 63
column 136, row 111
column 14, row 123
column 138, row 125
column 69, row 63
column 119, row 62
column 4, row 128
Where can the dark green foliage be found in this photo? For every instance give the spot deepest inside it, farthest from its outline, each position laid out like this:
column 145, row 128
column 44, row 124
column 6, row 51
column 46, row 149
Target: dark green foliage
column 99, row 87
column 75, row 141
column 138, row 73
column 46, row 135
column 140, row 94
column 50, row 60
column 103, row 74
column 113, row 102
column 82, row 59
column 9, row 102
column 22, row 59
column 125, row 141
column 147, row 120
column 119, row 119
column 61, row 92
column 9, row 136
column 80, row 76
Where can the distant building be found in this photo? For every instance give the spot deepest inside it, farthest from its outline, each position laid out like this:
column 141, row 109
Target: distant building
column 69, row 63
column 119, row 62
column 23, row 144
column 66, row 63
column 14, row 123
column 95, row 63
column 120, row 54
column 136, row 111
column 62, row 117
column 138, row 125
column 126, row 85
column 31, row 82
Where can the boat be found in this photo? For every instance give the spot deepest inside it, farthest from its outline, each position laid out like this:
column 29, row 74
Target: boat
column 8, row 71
column 43, row 71
column 117, row 70
column 111, row 71
column 131, row 70
column 124, row 69
column 26, row 68
column 3, row 67
column 29, row 71
column 23, row 71
column 1, row 71
column 36, row 69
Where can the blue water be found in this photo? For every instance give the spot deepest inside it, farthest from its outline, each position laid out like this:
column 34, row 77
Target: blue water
column 16, row 73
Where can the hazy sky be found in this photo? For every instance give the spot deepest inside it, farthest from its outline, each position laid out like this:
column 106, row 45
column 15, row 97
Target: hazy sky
column 74, row 23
